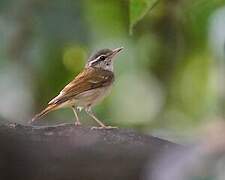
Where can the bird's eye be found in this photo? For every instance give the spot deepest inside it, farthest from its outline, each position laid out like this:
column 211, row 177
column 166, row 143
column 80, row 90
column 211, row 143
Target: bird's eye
column 102, row 58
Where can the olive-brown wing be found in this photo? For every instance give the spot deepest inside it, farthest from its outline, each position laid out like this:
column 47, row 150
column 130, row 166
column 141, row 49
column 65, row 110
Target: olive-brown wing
column 90, row 78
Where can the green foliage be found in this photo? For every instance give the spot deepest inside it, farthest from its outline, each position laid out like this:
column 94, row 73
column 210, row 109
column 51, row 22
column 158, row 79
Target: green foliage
column 138, row 9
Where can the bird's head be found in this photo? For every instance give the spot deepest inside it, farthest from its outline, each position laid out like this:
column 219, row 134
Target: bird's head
column 103, row 59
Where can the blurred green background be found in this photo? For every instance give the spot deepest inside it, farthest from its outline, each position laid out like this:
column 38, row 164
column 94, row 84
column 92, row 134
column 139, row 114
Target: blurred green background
column 169, row 78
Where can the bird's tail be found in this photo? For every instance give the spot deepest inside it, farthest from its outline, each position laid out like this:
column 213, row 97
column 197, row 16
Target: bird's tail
column 48, row 109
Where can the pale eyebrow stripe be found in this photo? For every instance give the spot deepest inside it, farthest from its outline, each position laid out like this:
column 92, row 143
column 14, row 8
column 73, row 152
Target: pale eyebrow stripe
column 95, row 60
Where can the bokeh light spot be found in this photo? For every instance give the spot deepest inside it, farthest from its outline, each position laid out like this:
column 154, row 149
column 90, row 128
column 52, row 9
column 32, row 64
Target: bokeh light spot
column 74, row 58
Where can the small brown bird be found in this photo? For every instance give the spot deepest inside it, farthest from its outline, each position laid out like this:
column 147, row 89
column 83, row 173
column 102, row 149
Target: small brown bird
column 88, row 88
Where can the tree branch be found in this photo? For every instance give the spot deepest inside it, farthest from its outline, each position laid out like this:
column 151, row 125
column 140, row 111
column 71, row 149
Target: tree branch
column 68, row 153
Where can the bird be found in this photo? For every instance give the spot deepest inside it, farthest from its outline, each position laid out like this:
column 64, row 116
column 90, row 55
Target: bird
column 88, row 88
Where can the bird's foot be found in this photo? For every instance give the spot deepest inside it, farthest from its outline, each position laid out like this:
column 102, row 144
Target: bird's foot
column 77, row 123
column 104, row 127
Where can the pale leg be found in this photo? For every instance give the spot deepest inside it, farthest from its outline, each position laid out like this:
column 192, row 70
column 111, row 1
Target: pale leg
column 102, row 126
column 77, row 122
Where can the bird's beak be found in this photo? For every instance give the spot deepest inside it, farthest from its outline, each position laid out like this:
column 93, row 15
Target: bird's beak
column 116, row 51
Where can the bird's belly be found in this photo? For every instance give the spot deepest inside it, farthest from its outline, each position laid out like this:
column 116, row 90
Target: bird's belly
column 92, row 97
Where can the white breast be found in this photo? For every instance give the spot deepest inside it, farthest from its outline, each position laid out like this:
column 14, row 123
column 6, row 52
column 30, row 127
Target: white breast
column 92, row 97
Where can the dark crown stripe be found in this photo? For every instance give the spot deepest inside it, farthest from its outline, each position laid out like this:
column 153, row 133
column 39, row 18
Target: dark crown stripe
column 99, row 53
